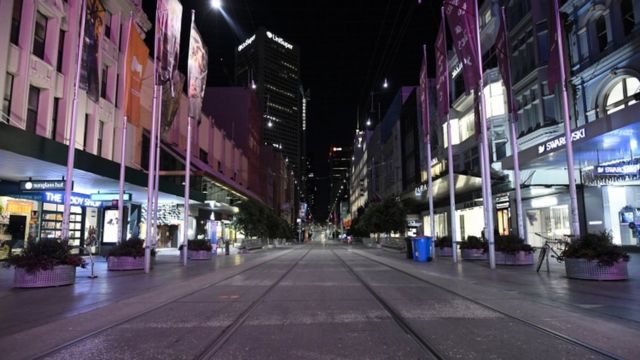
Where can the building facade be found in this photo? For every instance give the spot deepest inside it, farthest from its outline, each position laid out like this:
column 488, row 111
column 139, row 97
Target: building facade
column 271, row 64
column 37, row 68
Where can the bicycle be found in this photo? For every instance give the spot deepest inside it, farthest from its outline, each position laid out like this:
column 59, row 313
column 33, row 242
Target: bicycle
column 547, row 249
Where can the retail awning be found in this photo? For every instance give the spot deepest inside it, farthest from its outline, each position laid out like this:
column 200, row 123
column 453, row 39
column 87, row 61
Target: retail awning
column 24, row 155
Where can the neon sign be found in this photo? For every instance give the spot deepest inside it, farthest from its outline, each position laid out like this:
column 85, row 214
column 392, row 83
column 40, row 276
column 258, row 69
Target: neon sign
column 561, row 141
column 76, row 199
column 279, row 40
column 617, row 169
column 246, row 43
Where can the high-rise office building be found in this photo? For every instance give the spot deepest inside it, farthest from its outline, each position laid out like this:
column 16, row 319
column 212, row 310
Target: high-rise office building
column 271, row 65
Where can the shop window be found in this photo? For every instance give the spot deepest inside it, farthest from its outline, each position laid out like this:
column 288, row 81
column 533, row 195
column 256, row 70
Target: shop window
column 32, row 109
column 60, row 50
column 54, row 118
column 622, row 94
column 15, row 21
column 628, row 16
column 601, row 33
column 8, row 94
column 39, row 35
column 494, row 99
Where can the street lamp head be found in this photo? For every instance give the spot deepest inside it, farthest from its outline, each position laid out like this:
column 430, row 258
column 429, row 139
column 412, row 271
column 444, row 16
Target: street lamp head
column 216, row 4
column 385, row 84
column 369, row 122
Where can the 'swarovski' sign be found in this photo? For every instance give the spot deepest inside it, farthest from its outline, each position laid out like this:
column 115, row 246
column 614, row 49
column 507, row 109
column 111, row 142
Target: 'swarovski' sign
column 561, row 141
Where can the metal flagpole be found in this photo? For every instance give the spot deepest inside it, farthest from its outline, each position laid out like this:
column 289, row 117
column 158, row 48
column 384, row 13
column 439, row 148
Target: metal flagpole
column 427, row 118
column 514, row 138
column 123, row 139
column 452, row 192
column 575, row 221
column 516, row 177
column 487, row 200
column 156, row 186
column 187, row 176
column 71, row 151
column 123, row 166
column 152, row 160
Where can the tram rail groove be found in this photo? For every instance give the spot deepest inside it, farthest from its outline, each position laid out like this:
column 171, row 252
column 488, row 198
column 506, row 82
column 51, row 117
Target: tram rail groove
column 216, row 344
column 68, row 344
column 538, row 327
column 399, row 320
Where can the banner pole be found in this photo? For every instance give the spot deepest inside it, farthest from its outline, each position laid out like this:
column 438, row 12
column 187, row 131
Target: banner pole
column 71, row 150
column 123, row 145
column 123, row 150
column 516, row 177
column 452, row 193
column 187, row 176
column 485, row 161
column 575, row 220
column 152, row 153
column 156, row 186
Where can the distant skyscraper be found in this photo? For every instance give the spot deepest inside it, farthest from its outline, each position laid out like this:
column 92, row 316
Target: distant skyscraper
column 339, row 165
column 271, row 65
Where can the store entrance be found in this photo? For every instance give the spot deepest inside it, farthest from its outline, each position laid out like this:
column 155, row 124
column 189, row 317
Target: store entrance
column 17, row 230
column 168, row 236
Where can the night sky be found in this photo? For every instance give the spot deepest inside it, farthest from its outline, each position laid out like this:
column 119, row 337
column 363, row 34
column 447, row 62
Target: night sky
column 348, row 48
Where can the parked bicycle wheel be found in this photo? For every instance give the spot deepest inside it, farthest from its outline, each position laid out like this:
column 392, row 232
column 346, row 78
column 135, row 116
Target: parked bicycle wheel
column 541, row 256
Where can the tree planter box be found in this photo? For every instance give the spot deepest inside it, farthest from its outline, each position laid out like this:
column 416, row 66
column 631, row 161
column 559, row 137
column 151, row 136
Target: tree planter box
column 473, row 254
column 199, row 255
column 444, row 252
column 119, row 263
column 591, row 270
column 58, row 276
column 517, row 258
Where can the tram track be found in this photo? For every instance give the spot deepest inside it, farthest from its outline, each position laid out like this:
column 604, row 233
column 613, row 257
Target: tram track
column 424, row 344
column 214, row 346
column 70, row 344
column 537, row 327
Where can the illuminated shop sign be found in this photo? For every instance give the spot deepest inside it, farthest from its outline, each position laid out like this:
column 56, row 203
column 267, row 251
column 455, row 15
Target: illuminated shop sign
column 560, row 142
column 279, row 40
column 617, row 169
column 76, row 199
column 42, row 185
column 110, row 196
column 246, row 43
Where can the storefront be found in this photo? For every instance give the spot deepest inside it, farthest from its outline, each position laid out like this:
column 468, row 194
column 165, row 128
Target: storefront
column 38, row 215
column 502, row 214
column 616, row 186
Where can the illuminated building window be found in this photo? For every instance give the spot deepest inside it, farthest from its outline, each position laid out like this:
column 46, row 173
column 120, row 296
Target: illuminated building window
column 622, row 94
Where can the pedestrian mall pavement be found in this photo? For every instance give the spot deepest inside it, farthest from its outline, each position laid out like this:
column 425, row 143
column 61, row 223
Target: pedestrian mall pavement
column 317, row 310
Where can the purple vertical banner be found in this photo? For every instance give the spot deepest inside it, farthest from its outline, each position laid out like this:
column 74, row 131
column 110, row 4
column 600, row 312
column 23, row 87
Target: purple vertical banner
column 553, row 68
column 424, row 94
column 504, row 65
column 461, row 19
column 442, row 71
